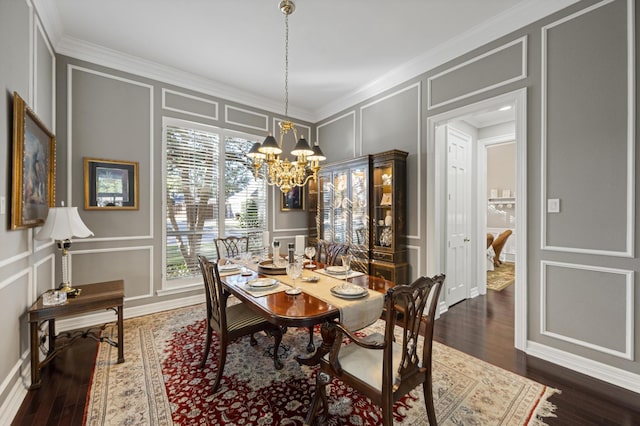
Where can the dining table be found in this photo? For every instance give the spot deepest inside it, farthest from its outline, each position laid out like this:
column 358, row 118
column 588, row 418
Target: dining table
column 317, row 303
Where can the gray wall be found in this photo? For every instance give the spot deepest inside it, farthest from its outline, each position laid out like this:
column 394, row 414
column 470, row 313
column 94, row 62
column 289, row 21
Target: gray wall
column 581, row 262
column 26, row 266
column 581, row 258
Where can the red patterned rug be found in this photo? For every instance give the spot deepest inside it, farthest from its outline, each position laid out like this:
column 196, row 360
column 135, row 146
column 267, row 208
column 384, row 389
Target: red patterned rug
column 161, row 383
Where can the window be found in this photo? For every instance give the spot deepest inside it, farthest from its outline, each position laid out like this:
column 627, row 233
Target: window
column 210, row 191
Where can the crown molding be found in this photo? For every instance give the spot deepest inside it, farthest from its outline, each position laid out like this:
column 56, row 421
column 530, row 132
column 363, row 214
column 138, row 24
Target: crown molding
column 510, row 20
column 100, row 55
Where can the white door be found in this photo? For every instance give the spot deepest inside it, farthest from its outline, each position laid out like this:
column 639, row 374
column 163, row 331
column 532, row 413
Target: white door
column 458, row 215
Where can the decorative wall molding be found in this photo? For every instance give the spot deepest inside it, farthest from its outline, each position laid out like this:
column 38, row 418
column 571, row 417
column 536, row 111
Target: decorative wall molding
column 213, row 116
column 598, row 370
column 70, row 69
column 631, row 116
column 39, row 30
column 33, row 293
column 522, row 75
column 227, row 108
column 11, row 405
column 14, row 258
column 333, row 120
column 418, row 250
column 629, row 302
column 417, row 86
column 118, row 250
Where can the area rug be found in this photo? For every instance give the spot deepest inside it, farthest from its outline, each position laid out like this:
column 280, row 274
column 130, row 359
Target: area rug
column 160, row 383
column 502, row 276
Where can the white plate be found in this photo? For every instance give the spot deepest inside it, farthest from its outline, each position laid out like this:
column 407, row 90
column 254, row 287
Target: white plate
column 262, row 282
column 310, row 266
column 310, row 279
column 293, row 291
column 228, row 267
column 335, row 269
column 349, row 291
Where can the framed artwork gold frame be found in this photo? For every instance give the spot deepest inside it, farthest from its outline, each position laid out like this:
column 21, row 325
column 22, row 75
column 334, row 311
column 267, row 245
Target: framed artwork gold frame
column 34, row 167
column 110, row 184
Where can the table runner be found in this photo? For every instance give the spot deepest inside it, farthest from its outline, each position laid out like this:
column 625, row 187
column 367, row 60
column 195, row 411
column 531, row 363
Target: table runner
column 354, row 313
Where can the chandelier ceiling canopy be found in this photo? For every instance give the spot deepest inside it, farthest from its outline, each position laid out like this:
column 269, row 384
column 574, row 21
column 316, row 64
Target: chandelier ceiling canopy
column 286, row 174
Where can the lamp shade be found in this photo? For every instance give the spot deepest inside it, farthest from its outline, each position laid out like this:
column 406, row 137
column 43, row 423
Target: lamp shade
column 254, row 152
column 63, row 223
column 270, row 146
column 302, row 147
column 317, row 153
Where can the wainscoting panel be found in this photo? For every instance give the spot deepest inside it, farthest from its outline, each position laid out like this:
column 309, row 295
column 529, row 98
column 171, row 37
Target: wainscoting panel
column 132, row 264
column 337, row 138
column 245, row 118
column 601, row 302
column 585, row 101
column 189, row 104
column 495, row 68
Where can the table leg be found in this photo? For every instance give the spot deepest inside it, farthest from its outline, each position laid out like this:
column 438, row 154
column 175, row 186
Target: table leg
column 328, row 332
column 35, row 361
column 52, row 335
column 120, row 336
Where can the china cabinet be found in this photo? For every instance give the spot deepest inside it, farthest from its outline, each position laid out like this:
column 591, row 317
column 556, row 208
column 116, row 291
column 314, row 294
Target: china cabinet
column 361, row 202
column 388, row 248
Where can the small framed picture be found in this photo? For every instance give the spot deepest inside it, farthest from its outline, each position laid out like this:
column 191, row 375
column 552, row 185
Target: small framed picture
column 292, row 200
column 110, row 184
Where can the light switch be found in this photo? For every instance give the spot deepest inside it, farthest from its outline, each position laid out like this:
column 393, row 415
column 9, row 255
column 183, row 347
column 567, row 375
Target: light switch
column 3, row 206
column 553, row 205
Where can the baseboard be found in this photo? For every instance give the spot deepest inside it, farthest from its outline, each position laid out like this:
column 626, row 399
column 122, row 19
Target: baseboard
column 11, row 405
column 132, row 312
column 613, row 375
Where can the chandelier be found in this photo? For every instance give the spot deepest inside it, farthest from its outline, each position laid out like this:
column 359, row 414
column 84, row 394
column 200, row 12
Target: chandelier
column 286, row 174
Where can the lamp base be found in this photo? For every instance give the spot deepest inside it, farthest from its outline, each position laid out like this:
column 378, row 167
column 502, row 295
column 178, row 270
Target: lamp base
column 71, row 292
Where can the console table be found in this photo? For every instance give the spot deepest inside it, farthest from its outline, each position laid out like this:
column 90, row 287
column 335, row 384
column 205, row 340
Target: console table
column 93, row 297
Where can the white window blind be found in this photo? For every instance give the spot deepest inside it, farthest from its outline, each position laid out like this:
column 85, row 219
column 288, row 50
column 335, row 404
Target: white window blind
column 192, row 198
column 210, row 192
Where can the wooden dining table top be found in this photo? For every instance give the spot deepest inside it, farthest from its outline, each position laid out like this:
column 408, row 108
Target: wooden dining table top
column 301, row 310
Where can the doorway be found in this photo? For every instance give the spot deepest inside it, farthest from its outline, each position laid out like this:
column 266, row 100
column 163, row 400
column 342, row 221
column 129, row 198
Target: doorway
column 438, row 189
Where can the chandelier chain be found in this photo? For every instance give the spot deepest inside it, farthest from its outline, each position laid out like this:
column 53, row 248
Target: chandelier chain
column 286, row 67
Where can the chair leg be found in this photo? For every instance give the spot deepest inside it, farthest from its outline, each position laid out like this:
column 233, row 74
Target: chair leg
column 207, row 345
column 221, row 362
column 319, row 405
column 387, row 411
column 253, row 340
column 427, row 388
column 311, row 346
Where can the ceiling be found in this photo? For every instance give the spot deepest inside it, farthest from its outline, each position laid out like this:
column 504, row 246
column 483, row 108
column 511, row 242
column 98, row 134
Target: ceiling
column 340, row 52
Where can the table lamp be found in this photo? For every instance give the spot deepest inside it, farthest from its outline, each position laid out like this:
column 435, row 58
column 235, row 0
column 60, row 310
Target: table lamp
column 62, row 224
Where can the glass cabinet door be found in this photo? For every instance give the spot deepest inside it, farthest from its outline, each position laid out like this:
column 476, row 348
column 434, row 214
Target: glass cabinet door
column 340, row 206
column 383, row 206
column 359, row 207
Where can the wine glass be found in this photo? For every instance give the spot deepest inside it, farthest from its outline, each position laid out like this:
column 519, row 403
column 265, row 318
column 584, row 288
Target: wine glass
column 294, row 270
column 310, row 252
column 346, row 263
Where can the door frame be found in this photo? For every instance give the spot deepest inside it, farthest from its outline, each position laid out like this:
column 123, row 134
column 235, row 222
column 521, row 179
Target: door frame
column 436, row 200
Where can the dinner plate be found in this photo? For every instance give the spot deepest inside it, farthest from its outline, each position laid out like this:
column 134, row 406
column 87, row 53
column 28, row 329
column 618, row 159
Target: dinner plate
column 262, row 283
column 349, row 291
column 228, row 267
column 293, row 291
column 335, row 269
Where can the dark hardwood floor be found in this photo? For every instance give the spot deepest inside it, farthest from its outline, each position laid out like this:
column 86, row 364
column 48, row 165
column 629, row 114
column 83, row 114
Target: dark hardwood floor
column 482, row 327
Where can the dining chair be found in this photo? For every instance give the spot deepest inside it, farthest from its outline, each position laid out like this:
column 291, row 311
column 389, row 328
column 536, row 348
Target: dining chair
column 230, row 322
column 383, row 367
column 231, row 246
column 329, row 252
column 498, row 245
